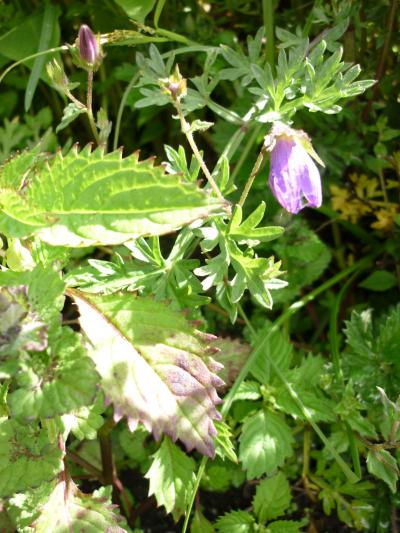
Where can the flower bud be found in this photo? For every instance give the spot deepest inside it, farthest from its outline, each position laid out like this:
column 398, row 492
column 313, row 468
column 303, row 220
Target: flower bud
column 88, row 45
column 175, row 85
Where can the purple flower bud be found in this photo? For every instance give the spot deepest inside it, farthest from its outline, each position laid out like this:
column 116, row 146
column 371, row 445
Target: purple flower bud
column 88, row 45
column 294, row 178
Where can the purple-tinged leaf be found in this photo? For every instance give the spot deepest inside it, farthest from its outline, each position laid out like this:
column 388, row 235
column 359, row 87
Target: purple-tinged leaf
column 156, row 368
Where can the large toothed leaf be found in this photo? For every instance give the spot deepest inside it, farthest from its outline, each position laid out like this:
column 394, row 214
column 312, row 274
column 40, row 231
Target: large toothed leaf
column 171, row 477
column 64, row 380
column 27, row 458
column 154, row 366
column 88, row 198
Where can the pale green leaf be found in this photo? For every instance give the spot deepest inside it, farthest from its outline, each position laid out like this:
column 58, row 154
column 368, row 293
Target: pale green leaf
column 272, row 497
column 155, row 367
column 88, row 198
column 70, row 113
column 265, row 443
column 70, row 511
column 236, row 522
column 384, row 466
column 27, row 458
column 200, row 524
column 85, row 421
column 171, row 478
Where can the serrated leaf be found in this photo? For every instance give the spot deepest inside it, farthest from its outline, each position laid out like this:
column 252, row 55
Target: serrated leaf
column 89, row 198
column 171, row 478
column 236, row 522
column 154, row 366
column 373, row 344
column 27, row 458
column 224, row 445
column 272, row 497
column 85, row 421
column 265, row 442
column 68, row 380
column 70, row 511
column 384, row 466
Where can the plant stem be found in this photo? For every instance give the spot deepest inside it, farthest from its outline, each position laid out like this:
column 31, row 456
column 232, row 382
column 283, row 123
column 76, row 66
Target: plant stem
column 268, row 16
column 104, row 436
column 185, row 126
column 121, row 108
column 252, row 176
column 63, row 48
column 89, row 109
column 391, row 20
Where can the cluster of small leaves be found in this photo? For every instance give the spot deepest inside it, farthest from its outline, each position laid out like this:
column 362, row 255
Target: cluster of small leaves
column 258, row 275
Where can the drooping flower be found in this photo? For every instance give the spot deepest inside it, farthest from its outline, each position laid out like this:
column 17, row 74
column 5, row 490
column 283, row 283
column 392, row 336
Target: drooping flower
column 89, row 49
column 294, row 177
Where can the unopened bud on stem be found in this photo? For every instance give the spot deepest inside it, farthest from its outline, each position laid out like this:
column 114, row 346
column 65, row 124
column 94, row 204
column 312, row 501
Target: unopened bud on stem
column 89, row 49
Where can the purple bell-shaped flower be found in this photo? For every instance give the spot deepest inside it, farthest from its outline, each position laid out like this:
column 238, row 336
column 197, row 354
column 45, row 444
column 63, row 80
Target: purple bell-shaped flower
column 294, row 177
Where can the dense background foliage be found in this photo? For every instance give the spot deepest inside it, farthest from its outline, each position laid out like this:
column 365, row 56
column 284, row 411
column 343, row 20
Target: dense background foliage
column 310, row 432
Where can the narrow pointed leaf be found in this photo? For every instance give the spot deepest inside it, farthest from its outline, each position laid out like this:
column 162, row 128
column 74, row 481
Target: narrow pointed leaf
column 155, row 367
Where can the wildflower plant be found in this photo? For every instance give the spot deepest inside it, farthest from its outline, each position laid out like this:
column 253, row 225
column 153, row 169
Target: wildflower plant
column 111, row 263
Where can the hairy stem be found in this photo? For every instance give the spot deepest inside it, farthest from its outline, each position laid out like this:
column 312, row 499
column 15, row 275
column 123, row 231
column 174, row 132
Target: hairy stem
column 185, row 126
column 89, row 110
column 252, row 176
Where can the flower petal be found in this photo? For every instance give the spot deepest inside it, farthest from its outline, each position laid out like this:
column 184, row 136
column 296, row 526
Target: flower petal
column 284, row 175
column 308, row 176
